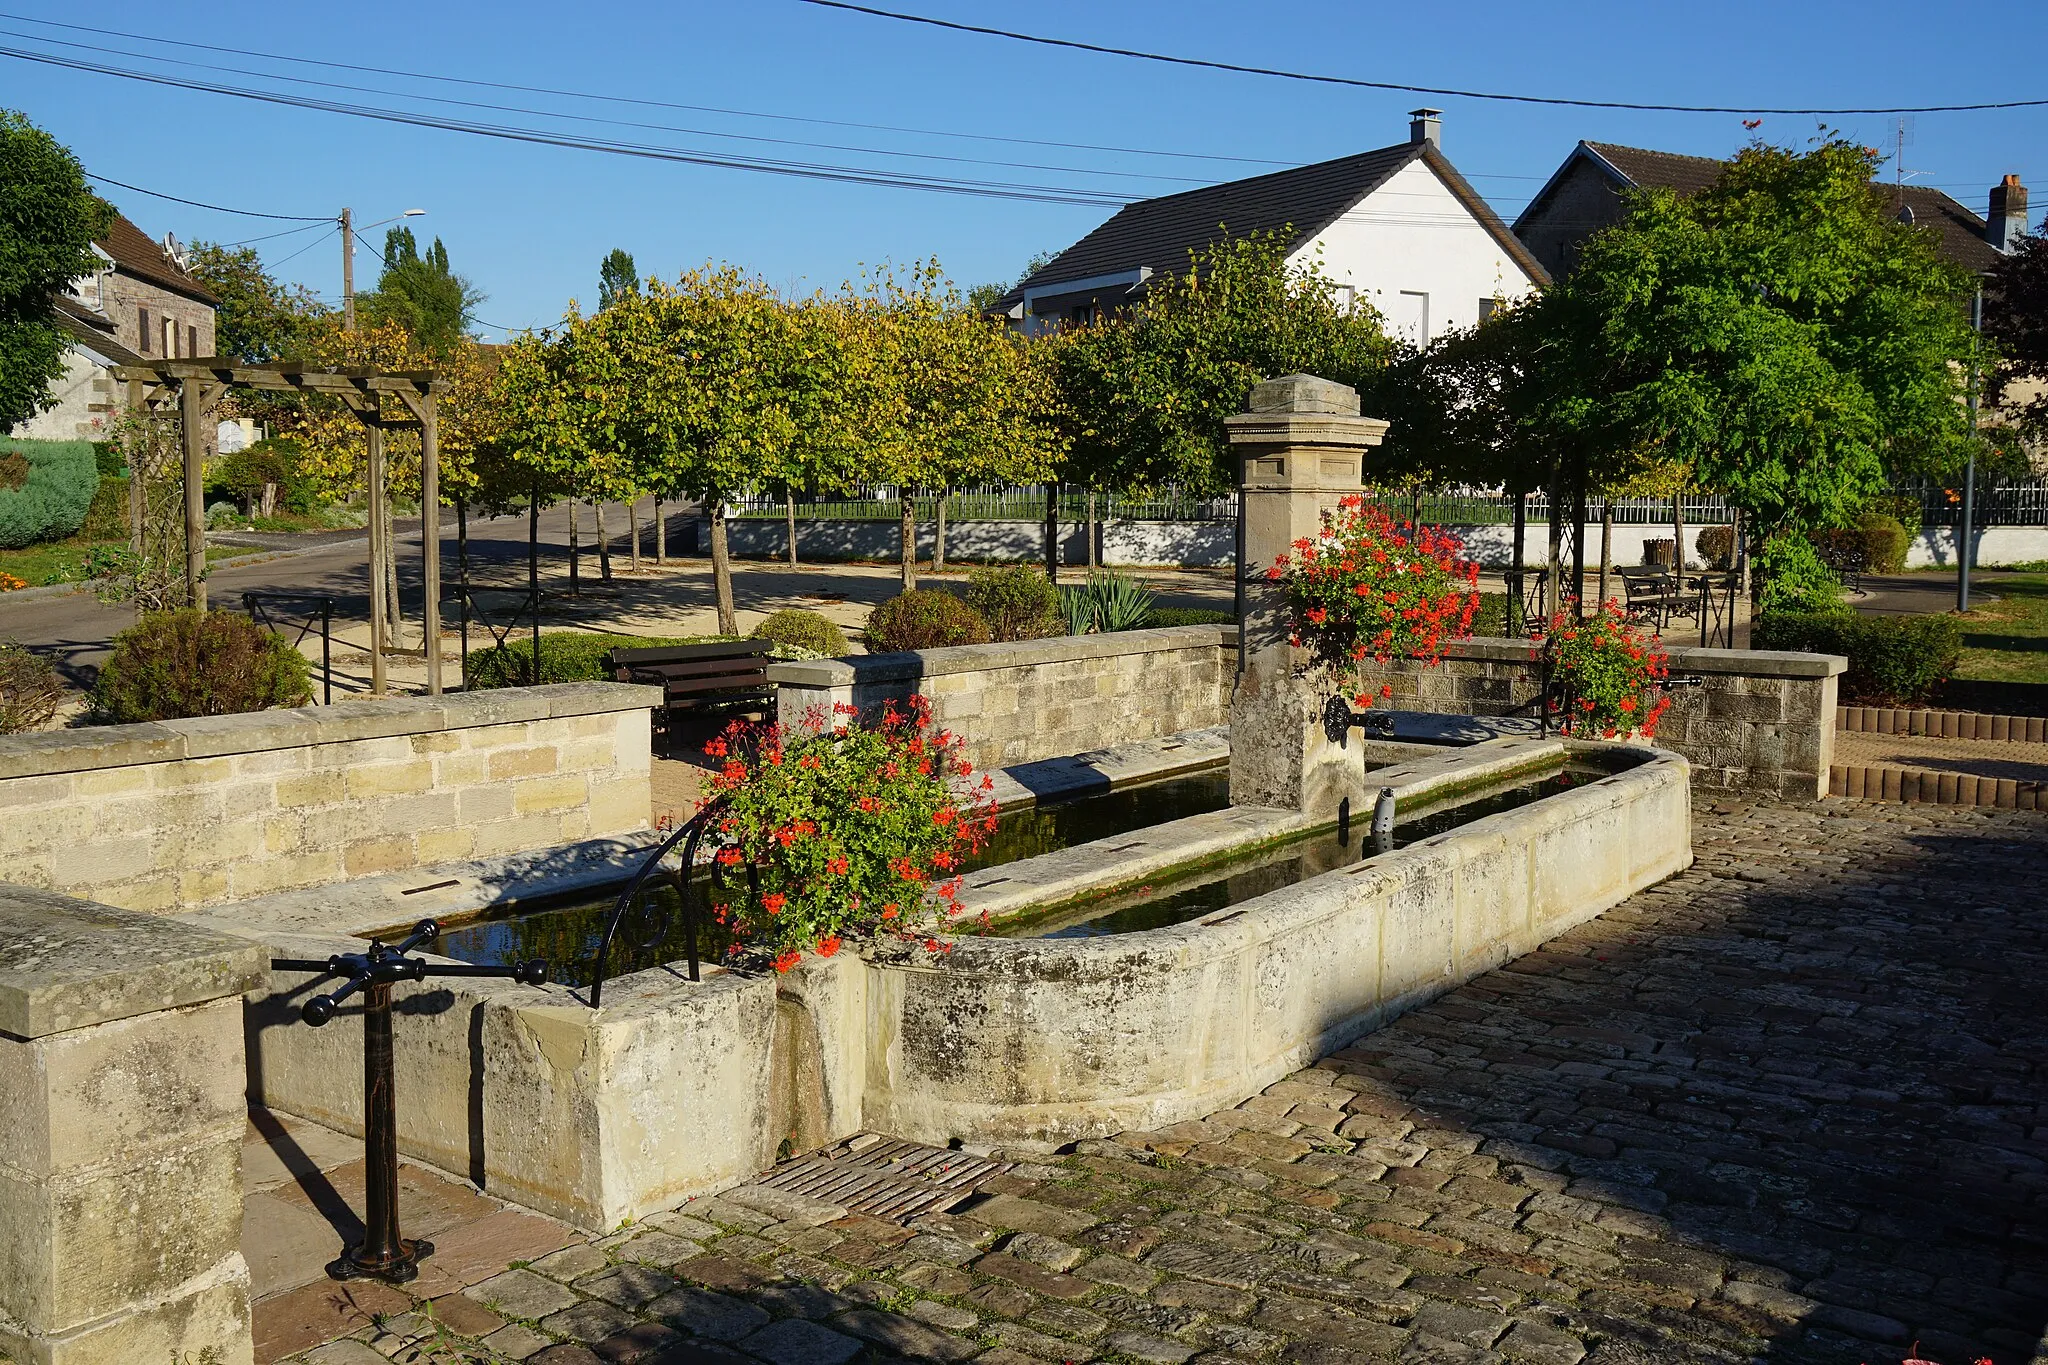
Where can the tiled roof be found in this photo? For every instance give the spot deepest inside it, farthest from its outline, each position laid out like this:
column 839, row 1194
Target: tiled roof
column 1960, row 232
column 135, row 254
column 1161, row 233
column 91, row 330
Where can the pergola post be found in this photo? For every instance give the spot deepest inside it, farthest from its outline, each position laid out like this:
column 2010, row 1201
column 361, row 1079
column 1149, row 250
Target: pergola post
column 427, row 409
column 379, row 551
column 136, row 503
column 189, row 396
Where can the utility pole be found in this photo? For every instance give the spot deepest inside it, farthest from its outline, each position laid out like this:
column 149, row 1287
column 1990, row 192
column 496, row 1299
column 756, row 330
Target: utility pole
column 1966, row 534
column 348, row 269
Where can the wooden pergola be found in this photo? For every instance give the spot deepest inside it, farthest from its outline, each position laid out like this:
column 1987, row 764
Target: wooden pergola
column 196, row 384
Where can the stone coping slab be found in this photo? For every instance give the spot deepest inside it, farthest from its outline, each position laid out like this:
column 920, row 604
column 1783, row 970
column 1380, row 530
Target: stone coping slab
column 119, row 746
column 931, row 663
column 1101, row 770
column 1754, row 663
column 68, row 964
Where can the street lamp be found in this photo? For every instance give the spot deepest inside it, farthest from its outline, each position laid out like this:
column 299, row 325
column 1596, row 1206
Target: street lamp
column 348, row 260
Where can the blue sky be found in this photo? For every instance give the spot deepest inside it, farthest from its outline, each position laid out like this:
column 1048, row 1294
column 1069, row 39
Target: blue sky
column 529, row 224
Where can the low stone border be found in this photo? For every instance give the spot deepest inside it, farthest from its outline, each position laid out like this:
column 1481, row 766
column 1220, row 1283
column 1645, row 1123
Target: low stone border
column 1876, row 782
column 1899, row 720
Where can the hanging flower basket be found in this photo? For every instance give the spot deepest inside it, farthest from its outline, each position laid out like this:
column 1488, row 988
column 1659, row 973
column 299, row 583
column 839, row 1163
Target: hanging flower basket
column 837, row 828
column 1611, row 672
column 1366, row 587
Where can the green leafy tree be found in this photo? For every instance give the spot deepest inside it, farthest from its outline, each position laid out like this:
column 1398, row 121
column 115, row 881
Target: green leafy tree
column 2016, row 316
column 422, row 294
column 1779, row 333
column 48, row 219
column 260, row 318
column 616, row 278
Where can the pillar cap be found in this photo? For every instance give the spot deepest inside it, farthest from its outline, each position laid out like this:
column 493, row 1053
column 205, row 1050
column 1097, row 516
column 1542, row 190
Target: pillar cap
column 1305, row 393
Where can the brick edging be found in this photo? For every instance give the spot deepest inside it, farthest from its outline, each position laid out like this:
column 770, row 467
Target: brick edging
column 1899, row 720
column 1879, row 782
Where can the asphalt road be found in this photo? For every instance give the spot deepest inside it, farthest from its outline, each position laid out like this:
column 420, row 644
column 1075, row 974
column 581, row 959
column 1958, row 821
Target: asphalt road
column 75, row 629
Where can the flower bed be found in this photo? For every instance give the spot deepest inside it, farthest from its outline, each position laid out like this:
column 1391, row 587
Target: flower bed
column 1609, row 668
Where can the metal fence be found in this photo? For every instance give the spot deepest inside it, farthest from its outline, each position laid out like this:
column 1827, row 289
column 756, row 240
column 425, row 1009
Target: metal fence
column 2022, row 503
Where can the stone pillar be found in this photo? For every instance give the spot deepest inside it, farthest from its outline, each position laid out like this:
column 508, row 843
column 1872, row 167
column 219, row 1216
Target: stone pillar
column 121, row 1122
column 1301, row 448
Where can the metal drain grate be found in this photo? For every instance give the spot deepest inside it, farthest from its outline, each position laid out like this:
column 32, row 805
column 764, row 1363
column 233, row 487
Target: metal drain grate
column 887, row 1178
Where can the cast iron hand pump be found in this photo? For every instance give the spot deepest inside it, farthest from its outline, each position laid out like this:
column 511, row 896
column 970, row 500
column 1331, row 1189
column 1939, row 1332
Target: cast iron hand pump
column 383, row 1254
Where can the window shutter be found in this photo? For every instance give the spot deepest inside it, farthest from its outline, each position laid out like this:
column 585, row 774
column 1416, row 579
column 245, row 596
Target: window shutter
column 142, row 320
column 191, row 341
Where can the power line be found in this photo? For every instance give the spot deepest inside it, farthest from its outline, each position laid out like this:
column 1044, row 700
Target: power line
column 1393, row 85
column 273, row 236
column 648, row 103
column 159, row 194
column 466, row 315
column 859, row 175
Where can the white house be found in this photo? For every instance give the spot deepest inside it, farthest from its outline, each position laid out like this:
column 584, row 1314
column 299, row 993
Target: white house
column 1399, row 227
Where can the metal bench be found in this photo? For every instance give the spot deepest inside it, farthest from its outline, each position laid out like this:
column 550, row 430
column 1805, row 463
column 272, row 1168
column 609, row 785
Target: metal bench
column 726, row 673
column 1652, row 596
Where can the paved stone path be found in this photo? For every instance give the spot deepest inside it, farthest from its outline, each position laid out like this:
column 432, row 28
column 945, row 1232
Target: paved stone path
column 1791, row 1106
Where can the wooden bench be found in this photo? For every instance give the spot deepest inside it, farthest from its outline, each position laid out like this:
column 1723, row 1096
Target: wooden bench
column 694, row 677
column 1652, row 596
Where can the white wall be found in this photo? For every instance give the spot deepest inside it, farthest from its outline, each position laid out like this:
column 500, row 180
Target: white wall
column 1412, row 234
column 76, row 392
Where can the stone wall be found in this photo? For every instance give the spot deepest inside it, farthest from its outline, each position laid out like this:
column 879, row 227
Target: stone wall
column 1758, row 720
column 186, row 813
column 121, row 1118
column 1037, row 699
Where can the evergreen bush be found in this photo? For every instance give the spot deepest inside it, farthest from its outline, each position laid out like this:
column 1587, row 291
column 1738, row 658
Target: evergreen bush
column 805, row 632
column 46, row 487
column 1017, row 600
column 1159, row 618
column 565, row 656
column 175, row 664
column 924, row 619
column 1893, row 660
column 29, row 690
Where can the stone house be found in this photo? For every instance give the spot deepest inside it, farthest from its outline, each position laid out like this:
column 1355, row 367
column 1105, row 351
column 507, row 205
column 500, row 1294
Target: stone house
column 1398, row 228
column 141, row 303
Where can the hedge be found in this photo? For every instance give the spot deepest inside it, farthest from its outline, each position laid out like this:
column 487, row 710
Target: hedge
column 565, row 656
column 1893, row 660
column 45, row 489
column 1161, row 617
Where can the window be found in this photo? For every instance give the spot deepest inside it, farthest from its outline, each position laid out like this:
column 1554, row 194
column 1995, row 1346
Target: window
column 1411, row 316
column 1486, row 307
column 142, row 330
column 170, row 338
column 191, row 341
column 1345, row 297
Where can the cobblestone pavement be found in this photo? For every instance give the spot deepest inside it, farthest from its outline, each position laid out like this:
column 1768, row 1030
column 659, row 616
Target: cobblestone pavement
column 1789, row 1106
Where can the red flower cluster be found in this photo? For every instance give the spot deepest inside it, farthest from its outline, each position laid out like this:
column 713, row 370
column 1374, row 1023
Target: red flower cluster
column 1610, row 666
column 1366, row 587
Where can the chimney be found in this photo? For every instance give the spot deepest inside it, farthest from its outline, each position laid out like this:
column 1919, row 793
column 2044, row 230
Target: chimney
column 1426, row 125
column 2008, row 216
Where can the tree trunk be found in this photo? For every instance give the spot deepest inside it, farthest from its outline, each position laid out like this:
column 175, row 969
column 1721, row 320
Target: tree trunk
column 604, row 542
column 1052, row 532
column 575, row 554
column 907, row 500
column 939, row 536
column 633, row 533
column 1678, row 540
column 721, row 570
column 1579, row 546
column 1606, row 543
column 660, row 535
column 1517, row 612
column 1553, row 595
column 789, row 520
column 533, row 576
column 1089, row 531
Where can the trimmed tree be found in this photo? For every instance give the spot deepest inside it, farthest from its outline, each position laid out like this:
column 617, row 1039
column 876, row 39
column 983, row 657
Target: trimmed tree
column 48, row 219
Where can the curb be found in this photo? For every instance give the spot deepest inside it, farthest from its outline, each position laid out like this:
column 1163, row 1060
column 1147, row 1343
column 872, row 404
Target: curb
column 1896, row 720
column 1921, row 786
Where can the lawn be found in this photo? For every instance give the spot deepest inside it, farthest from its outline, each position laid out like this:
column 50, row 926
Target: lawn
column 2007, row 640
column 63, row 561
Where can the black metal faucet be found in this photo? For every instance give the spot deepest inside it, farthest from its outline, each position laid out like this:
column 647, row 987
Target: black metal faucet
column 383, row 1254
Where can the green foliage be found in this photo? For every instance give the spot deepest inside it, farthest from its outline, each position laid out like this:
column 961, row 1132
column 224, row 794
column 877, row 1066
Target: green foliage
column 1491, row 616
column 1795, row 578
column 1159, row 618
column 421, row 293
column 1779, row 333
column 110, row 459
column 259, row 319
column 1610, row 667
column 2016, row 316
column 48, row 219
column 1877, row 542
column 107, row 517
column 1106, row 600
column 805, row 631
column 274, row 460
column 30, row 690
column 174, row 664
column 565, row 656
column 1716, row 545
column 1893, row 660
column 57, row 481
column 616, row 278
column 842, row 828
column 1017, row 600
column 925, row 619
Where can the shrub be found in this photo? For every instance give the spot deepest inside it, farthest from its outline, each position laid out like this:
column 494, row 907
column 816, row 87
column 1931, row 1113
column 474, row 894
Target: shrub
column 565, row 656
column 45, row 489
column 1876, row 543
column 1107, row 600
column 1794, row 578
column 1017, row 600
column 29, row 690
column 275, row 460
column 1893, row 660
column 1159, row 618
column 1609, row 667
column 805, row 631
column 924, row 619
column 107, row 517
column 224, row 516
column 1716, row 545
column 841, row 828
column 174, row 664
